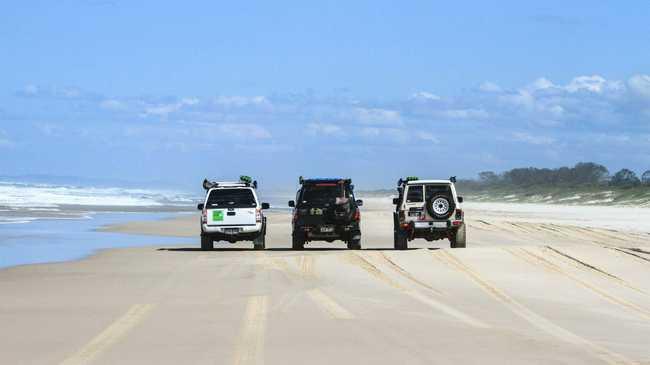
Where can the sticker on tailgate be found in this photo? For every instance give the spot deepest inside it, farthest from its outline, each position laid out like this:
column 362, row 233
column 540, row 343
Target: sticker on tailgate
column 217, row 215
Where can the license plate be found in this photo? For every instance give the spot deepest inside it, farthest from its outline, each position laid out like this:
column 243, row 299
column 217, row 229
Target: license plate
column 231, row 230
column 326, row 229
column 430, row 224
column 316, row 211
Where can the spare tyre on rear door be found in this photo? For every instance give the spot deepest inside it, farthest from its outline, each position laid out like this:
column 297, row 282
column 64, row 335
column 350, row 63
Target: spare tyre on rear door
column 440, row 206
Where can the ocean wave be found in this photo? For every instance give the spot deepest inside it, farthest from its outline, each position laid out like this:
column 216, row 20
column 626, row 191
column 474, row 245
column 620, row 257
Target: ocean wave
column 44, row 196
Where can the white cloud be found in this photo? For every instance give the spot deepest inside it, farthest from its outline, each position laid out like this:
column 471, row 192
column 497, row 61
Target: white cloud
column 241, row 101
column 5, row 142
column 464, row 113
column 50, row 129
column 429, row 137
column 541, row 83
column 556, row 110
column 640, row 85
column 163, row 110
column 69, row 92
column 370, row 132
column 244, row 130
column 30, row 90
column 189, row 101
column 490, row 87
column 384, row 134
column 595, row 84
column 35, row 91
column 522, row 98
column 324, row 129
column 377, row 116
column 425, row 96
column 112, row 104
column 532, row 139
column 608, row 138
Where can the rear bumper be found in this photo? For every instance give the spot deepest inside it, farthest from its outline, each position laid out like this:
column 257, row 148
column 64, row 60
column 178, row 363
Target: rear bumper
column 433, row 226
column 241, row 230
column 340, row 232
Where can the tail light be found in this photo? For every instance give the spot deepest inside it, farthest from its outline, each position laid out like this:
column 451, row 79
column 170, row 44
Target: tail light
column 295, row 216
column 204, row 216
column 357, row 215
column 459, row 214
column 258, row 215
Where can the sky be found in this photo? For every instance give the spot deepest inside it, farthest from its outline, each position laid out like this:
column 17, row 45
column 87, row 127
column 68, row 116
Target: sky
column 172, row 92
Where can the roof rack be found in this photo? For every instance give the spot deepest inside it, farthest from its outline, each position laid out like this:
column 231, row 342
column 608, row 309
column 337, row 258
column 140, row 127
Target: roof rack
column 407, row 179
column 243, row 181
column 302, row 180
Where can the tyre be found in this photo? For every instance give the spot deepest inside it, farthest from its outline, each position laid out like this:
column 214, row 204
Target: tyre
column 458, row 239
column 206, row 243
column 395, row 226
column 440, row 206
column 298, row 242
column 259, row 243
column 401, row 240
column 354, row 244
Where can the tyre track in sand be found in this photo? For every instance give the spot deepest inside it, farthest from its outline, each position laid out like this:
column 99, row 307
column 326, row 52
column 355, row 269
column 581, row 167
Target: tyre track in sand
column 535, row 259
column 627, row 252
column 249, row 348
column 112, row 334
column 358, row 260
column 594, row 237
column 583, row 265
column 527, row 314
column 400, row 270
column 306, row 274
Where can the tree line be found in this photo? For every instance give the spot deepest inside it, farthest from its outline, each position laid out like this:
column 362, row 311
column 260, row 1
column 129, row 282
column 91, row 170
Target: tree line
column 583, row 174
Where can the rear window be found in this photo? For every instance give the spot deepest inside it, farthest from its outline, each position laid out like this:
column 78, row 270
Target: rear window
column 323, row 193
column 231, row 198
column 431, row 191
column 414, row 194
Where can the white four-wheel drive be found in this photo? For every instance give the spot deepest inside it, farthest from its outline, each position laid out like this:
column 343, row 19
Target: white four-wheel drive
column 428, row 209
column 232, row 212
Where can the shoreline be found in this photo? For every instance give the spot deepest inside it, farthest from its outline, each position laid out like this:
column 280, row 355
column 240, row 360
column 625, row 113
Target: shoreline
column 134, row 231
column 62, row 240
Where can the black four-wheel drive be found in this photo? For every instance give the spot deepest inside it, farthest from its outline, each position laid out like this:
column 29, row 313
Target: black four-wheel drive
column 326, row 210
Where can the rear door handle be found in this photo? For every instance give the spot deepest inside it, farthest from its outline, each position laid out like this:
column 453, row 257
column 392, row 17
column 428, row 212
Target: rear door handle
column 231, row 213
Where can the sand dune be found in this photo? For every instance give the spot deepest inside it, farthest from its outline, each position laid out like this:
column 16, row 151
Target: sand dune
column 530, row 288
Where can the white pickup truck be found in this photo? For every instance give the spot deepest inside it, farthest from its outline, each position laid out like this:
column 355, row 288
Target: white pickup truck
column 232, row 212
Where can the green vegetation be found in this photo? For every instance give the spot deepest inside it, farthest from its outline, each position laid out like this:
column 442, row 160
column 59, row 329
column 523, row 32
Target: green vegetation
column 585, row 183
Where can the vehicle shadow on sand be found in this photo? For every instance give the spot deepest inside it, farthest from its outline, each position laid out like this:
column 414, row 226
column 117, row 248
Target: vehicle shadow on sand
column 221, row 249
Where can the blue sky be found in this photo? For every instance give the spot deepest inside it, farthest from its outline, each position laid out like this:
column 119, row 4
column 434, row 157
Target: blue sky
column 174, row 91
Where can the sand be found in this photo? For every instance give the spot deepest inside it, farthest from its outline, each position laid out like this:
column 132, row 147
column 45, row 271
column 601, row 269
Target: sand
column 531, row 288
